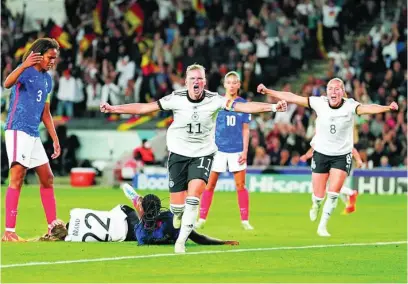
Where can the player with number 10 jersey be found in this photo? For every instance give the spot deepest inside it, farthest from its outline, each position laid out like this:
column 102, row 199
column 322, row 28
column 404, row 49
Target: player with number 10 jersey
column 231, row 137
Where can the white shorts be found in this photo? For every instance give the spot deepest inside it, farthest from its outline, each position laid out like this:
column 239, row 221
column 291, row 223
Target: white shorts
column 25, row 149
column 223, row 160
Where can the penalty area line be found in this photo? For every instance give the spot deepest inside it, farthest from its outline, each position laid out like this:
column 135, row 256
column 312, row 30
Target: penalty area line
column 199, row 253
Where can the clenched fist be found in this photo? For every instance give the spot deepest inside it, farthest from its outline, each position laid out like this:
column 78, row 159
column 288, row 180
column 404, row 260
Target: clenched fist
column 394, row 106
column 282, row 106
column 106, row 108
column 261, row 89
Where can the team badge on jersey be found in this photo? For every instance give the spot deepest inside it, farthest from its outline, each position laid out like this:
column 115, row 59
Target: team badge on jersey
column 195, row 116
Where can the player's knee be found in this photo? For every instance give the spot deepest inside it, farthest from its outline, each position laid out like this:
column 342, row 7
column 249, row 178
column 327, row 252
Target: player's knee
column 16, row 179
column 47, row 181
column 210, row 187
column 240, row 185
column 16, row 182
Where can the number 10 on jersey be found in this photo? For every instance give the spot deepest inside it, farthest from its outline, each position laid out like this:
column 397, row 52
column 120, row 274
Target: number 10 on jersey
column 231, row 119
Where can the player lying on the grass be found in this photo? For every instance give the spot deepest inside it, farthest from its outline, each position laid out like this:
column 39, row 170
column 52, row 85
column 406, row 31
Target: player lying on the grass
column 347, row 195
column 190, row 141
column 148, row 223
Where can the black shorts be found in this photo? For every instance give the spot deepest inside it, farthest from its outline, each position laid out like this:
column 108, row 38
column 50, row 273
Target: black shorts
column 322, row 164
column 132, row 220
column 182, row 169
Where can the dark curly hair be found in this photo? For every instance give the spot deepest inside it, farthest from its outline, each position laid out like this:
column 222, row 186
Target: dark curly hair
column 151, row 205
column 41, row 45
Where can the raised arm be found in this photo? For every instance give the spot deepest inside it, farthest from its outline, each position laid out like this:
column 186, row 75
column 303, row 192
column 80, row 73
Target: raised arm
column 287, row 96
column 254, row 107
column 373, row 108
column 31, row 60
column 136, row 108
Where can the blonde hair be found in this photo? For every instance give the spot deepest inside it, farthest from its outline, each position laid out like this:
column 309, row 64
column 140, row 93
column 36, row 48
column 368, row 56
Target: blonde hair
column 342, row 85
column 58, row 233
column 232, row 73
column 195, row 66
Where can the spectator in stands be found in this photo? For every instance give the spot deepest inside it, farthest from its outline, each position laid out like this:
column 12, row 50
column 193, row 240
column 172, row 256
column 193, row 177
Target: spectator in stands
column 261, row 157
column 145, row 152
column 295, row 160
column 66, row 94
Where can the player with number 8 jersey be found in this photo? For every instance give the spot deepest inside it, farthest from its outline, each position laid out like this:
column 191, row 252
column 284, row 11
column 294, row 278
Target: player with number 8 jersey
column 333, row 142
column 190, row 141
column 29, row 106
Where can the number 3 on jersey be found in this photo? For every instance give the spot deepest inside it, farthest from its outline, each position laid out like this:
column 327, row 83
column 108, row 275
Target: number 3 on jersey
column 39, row 96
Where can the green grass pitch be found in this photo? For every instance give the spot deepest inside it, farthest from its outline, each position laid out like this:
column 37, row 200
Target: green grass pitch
column 283, row 247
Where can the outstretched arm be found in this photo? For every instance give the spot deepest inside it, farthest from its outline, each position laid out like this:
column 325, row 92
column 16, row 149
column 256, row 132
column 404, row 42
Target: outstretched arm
column 136, row 108
column 373, row 108
column 254, row 107
column 205, row 240
column 287, row 96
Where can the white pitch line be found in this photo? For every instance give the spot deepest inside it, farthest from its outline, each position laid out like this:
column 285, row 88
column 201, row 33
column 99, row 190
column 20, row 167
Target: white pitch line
column 197, row 253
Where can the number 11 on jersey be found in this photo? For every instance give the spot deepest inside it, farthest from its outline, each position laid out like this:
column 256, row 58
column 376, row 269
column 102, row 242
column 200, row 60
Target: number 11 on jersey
column 197, row 128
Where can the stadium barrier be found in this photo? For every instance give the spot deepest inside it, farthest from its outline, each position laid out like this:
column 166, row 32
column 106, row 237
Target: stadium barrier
column 291, row 180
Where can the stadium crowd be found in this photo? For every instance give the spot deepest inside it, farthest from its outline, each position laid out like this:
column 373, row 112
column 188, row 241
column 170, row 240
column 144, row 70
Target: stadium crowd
column 137, row 51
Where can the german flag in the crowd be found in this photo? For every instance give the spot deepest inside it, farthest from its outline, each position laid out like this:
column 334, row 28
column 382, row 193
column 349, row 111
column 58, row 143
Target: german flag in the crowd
column 198, row 6
column 145, row 48
column 320, row 41
column 57, row 32
column 147, row 65
column 135, row 17
column 22, row 49
column 99, row 15
column 133, row 122
column 86, row 41
column 164, row 122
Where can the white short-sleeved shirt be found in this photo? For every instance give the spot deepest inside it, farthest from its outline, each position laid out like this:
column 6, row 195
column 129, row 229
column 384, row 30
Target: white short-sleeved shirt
column 86, row 225
column 334, row 126
column 193, row 129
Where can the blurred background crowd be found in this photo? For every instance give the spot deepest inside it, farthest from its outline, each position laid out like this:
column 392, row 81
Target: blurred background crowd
column 128, row 51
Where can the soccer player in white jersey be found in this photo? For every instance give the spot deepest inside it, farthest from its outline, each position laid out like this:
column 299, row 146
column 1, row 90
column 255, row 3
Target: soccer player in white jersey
column 190, row 141
column 333, row 141
column 232, row 138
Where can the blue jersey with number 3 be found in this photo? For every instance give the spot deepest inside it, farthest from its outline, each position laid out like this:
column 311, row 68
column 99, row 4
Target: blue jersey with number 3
column 28, row 98
column 228, row 130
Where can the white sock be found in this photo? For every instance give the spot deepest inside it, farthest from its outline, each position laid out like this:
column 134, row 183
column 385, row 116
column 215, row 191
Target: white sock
column 328, row 208
column 189, row 218
column 344, row 198
column 316, row 201
column 347, row 191
column 177, row 209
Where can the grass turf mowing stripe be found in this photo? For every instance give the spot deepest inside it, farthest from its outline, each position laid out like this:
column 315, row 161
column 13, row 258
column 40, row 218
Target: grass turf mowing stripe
column 198, row 253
